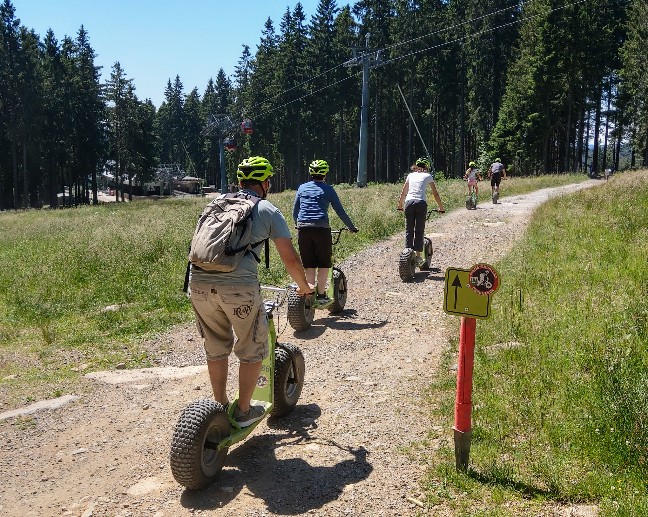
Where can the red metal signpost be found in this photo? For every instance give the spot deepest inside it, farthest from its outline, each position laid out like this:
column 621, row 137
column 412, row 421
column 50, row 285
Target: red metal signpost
column 483, row 280
column 463, row 401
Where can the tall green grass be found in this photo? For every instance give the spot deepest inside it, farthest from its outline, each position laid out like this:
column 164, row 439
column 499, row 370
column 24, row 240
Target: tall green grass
column 561, row 369
column 81, row 286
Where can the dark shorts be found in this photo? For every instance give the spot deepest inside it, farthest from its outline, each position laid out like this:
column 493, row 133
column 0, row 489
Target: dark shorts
column 496, row 177
column 315, row 246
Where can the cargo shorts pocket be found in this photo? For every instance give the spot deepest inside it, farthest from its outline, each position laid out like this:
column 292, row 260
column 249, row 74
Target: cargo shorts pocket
column 240, row 304
column 199, row 293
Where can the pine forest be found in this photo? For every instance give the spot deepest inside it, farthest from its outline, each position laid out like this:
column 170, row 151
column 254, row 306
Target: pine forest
column 548, row 86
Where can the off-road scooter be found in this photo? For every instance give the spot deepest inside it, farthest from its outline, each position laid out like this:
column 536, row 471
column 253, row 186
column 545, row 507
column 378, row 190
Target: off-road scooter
column 206, row 429
column 301, row 309
column 471, row 199
column 407, row 257
column 495, row 194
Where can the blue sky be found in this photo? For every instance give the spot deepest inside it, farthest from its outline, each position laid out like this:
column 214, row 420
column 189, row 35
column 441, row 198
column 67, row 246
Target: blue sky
column 155, row 40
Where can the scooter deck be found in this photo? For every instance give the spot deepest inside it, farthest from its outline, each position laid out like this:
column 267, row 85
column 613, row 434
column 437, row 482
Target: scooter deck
column 319, row 305
column 238, row 433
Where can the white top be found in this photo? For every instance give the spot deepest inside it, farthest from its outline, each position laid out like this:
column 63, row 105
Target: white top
column 418, row 182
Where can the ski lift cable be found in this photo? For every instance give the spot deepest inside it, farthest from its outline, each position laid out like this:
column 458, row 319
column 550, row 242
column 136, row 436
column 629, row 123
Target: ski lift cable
column 310, row 93
column 300, row 84
column 416, row 126
column 451, row 27
column 387, row 48
column 484, row 31
column 398, row 58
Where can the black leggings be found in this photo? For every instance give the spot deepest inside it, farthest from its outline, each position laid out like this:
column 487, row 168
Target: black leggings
column 415, row 215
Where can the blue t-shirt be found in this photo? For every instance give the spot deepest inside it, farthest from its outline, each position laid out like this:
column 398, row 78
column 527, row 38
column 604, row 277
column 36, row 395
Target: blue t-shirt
column 312, row 203
column 267, row 222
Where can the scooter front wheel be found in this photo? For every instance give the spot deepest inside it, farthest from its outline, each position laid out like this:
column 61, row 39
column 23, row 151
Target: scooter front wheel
column 339, row 291
column 407, row 264
column 289, row 375
column 195, row 458
column 300, row 310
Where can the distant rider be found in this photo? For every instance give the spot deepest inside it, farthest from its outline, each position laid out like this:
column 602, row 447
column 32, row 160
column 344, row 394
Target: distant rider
column 473, row 176
column 496, row 173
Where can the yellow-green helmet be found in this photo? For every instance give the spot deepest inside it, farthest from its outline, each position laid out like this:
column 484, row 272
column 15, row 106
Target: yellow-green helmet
column 472, row 164
column 423, row 162
column 318, row 167
column 254, row 168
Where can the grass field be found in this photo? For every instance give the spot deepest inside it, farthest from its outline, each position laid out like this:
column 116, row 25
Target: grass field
column 561, row 369
column 82, row 286
column 561, row 383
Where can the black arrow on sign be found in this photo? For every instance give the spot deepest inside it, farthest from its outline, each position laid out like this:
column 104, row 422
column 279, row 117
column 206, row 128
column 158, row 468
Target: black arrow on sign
column 456, row 284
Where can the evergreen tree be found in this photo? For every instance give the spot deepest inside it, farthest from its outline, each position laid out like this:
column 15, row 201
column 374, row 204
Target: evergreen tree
column 635, row 80
column 171, row 123
column 88, row 114
column 324, row 60
column 10, row 98
column 192, row 138
column 52, row 152
column 292, row 73
column 122, row 121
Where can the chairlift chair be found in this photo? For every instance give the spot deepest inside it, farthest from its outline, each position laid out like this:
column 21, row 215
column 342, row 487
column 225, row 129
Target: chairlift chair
column 246, row 126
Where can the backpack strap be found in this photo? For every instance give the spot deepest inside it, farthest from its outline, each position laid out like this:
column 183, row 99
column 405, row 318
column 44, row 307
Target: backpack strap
column 255, row 200
column 185, row 287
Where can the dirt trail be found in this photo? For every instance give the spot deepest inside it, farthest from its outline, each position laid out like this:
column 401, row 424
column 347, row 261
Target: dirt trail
column 343, row 451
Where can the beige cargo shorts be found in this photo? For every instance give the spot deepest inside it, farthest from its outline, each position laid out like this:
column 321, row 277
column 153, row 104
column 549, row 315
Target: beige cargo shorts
column 231, row 317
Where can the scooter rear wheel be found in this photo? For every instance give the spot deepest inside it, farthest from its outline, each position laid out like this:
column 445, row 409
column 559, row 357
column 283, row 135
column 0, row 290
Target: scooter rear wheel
column 300, row 310
column 289, row 375
column 339, row 291
column 196, row 461
column 407, row 264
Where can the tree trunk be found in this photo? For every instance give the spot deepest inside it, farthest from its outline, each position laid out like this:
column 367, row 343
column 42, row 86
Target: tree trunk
column 607, row 124
column 597, row 128
column 578, row 159
column 25, row 196
column 567, row 144
column 16, row 187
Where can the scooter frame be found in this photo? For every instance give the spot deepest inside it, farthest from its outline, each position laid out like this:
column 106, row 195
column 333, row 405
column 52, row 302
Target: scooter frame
column 471, row 200
column 206, row 429
column 407, row 258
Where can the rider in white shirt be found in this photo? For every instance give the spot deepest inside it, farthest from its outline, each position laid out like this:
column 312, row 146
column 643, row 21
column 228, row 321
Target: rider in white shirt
column 413, row 200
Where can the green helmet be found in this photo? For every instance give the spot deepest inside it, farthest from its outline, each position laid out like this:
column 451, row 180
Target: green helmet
column 423, row 162
column 498, row 159
column 254, row 168
column 472, row 164
column 318, row 167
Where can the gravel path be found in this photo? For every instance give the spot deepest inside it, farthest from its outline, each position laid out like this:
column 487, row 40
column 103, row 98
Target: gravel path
column 344, row 449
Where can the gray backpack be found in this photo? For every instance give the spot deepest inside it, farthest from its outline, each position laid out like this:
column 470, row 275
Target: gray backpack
column 223, row 233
